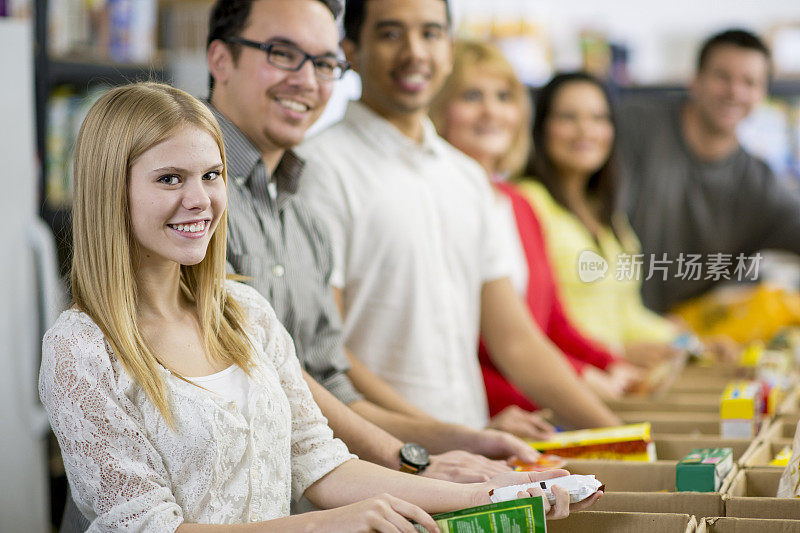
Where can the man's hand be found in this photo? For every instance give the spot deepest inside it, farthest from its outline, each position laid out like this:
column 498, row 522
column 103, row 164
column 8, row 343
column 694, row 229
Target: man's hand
column 525, row 424
column 459, row 466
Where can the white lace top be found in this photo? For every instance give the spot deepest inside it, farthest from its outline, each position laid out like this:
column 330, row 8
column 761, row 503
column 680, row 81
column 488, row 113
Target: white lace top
column 129, row 471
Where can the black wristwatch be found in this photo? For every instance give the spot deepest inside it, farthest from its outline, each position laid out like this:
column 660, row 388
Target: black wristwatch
column 413, row 458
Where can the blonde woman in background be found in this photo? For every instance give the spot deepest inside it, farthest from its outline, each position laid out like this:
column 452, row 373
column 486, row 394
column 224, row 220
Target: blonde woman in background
column 484, row 111
column 175, row 395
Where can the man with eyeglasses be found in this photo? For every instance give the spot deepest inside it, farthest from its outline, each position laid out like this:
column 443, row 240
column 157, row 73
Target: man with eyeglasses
column 273, row 64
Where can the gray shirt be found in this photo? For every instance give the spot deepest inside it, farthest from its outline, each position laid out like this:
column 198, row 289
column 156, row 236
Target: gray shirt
column 679, row 204
column 276, row 242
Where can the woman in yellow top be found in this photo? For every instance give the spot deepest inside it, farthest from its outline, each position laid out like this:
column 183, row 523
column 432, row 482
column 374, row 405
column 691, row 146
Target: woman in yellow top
column 592, row 248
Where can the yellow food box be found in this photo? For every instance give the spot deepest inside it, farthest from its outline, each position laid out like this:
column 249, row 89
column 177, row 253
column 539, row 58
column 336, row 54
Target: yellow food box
column 741, row 400
column 631, row 442
column 782, row 459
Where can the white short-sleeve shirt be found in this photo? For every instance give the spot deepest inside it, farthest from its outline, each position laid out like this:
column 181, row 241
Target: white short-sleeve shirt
column 413, row 233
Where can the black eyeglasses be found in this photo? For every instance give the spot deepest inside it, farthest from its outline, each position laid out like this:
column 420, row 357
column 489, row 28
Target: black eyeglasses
column 289, row 57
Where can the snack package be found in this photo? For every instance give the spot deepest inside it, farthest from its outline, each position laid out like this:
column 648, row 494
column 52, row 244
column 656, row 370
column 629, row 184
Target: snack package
column 579, row 488
column 789, row 486
column 631, row 442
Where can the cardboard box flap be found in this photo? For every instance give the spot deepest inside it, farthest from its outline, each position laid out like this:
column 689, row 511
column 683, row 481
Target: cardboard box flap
column 607, row 522
column 693, row 503
column 747, row 525
column 676, row 447
column 764, row 452
column 788, row 508
column 628, row 476
column 665, row 406
column 754, row 483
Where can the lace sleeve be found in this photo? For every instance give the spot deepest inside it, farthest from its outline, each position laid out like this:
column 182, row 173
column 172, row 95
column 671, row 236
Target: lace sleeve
column 314, row 450
column 117, row 478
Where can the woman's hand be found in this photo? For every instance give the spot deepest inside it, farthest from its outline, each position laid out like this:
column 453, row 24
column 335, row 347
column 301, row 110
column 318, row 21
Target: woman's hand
column 649, row 354
column 603, row 383
column 383, row 513
column 525, row 424
column 560, row 509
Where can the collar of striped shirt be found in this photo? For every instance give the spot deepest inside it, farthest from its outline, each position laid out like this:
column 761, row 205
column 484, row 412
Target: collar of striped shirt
column 242, row 159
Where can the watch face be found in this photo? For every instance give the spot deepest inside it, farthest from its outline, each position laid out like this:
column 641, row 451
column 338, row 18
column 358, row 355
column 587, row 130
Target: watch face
column 414, row 454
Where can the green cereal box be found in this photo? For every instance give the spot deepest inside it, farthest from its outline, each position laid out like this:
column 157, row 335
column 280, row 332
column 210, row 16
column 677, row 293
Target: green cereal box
column 514, row 516
column 703, row 469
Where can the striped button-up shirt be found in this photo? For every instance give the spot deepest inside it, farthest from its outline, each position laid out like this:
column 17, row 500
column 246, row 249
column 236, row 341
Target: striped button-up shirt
column 284, row 251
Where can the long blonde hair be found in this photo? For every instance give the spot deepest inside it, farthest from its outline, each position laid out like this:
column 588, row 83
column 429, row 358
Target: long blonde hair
column 121, row 126
column 468, row 56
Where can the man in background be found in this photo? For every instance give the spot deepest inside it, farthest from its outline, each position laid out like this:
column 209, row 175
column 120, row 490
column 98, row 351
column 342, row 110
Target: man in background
column 690, row 190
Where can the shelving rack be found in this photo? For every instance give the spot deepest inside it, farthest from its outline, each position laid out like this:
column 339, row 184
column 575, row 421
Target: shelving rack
column 82, row 72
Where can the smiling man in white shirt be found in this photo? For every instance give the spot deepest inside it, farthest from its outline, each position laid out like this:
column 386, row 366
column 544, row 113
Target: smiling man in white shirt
column 411, row 221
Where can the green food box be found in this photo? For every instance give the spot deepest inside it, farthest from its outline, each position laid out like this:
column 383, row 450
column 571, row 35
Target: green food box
column 703, row 469
column 514, row 516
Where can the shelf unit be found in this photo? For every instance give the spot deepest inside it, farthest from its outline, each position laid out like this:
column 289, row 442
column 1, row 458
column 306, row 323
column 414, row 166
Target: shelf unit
column 80, row 71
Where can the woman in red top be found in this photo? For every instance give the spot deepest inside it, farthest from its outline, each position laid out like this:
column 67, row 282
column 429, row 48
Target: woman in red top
column 484, row 111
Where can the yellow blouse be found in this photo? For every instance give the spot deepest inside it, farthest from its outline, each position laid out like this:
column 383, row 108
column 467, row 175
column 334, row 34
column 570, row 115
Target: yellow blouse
column 599, row 281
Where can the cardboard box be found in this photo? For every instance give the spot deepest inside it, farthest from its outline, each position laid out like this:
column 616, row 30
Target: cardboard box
column 764, row 452
column 676, row 423
column 609, row 522
column 628, row 476
column 791, row 403
column 692, row 397
column 782, row 428
column 693, row 503
column 666, row 406
column 751, row 494
column 645, row 487
column 745, row 525
column 716, row 373
column 676, row 447
column 693, row 379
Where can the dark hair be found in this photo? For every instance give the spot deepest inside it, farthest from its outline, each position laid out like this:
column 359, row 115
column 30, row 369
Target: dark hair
column 602, row 184
column 229, row 18
column 355, row 12
column 735, row 37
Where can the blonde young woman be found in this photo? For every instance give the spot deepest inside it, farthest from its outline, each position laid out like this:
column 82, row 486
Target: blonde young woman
column 175, row 395
column 484, row 111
